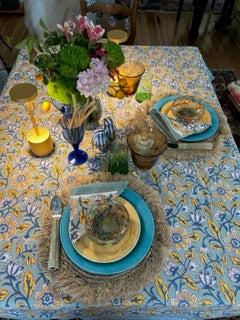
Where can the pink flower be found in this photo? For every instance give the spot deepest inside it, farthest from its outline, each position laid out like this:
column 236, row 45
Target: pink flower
column 68, row 28
column 101, row 52
column 81, row 23
column 94, row 79
column 94, row 32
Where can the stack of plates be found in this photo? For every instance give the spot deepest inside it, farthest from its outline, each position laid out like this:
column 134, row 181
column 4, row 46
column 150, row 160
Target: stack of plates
column 165, row 105
column 121, row 257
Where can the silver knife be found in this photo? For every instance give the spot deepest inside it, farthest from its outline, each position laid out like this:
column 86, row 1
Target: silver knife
column 56, row 207
column 190, row 145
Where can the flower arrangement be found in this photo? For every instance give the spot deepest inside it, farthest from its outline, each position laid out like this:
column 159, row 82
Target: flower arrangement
column 76, row 61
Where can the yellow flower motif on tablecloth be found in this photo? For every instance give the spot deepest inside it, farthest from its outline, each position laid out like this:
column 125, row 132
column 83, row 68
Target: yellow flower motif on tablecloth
column 181, row 239
column 172, row 187
column 7, row 228
column 183, row 299
column 233, row 241
column 22, row 179
column 222, row 190
column 48, row 298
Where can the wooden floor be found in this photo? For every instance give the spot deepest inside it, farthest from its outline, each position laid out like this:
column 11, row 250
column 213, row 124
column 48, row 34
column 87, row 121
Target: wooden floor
column 220, row 49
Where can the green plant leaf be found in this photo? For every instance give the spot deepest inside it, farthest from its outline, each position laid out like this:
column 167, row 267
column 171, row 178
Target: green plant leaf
column 52, row 64
column 30, row 45
column 9, row 41
column 45, row 80
column 21, row 44
column 46, row 34
column 43, row 24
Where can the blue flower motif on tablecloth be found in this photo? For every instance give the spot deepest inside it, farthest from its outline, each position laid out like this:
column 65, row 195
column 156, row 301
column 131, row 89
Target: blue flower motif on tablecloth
column 234, row 275
column 207, row 279
column 194, row 266
column 235, row 175
column 197, row 217
column 94, row 164
column 48, row 297
column 233, row 241
column 7, row 228
column 172, row 187
column 14, row 271
column 222, row 190
column 22, row 179
column 117, row 302
column 184, row 299
column 171, row 269
column 5, row 257
column 180, row 238
column 220, row 215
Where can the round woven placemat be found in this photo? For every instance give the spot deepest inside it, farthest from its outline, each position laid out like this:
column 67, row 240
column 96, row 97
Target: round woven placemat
column 89, row 288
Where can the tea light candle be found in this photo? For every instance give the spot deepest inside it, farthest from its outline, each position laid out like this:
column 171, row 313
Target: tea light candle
column 39, row 138
column 41, row 144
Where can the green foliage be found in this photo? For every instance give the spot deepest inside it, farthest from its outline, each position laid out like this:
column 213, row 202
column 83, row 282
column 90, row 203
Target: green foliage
column 63, row 88
column 62, row 56
column 73, row 60
column 115, row 56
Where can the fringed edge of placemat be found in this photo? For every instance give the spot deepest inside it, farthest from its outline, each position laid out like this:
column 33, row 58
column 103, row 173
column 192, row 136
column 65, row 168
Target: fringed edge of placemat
column 90, row 288
column 223, row 132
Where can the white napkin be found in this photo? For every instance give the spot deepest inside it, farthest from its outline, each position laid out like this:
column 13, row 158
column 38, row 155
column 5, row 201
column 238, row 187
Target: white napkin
column 82, row 197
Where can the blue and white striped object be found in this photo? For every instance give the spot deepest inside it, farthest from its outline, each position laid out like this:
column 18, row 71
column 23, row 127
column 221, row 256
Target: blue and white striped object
column 109, row 128
column 100, row 140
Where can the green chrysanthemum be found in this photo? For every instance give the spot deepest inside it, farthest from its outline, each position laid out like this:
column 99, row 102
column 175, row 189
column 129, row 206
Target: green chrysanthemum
column 62, row 90
column 73, row 59
column 115, row 56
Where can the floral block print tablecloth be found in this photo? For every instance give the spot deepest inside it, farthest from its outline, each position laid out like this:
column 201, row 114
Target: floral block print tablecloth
column 201, row 278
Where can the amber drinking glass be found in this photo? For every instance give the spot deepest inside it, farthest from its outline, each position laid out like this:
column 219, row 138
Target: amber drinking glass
column 146, row 145
column 129, row 75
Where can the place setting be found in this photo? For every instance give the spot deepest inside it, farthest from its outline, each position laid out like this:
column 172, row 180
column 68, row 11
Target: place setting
column 111, row 226
column 192, row 126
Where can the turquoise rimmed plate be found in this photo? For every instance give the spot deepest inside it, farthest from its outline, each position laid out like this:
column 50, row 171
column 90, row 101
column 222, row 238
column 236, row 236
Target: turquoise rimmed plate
column 196, row 136
column 128, row 262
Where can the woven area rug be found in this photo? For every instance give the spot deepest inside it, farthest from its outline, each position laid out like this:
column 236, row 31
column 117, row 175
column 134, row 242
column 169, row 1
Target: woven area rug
column 221, row 79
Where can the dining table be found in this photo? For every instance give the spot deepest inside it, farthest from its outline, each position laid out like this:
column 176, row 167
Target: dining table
column 199, row 193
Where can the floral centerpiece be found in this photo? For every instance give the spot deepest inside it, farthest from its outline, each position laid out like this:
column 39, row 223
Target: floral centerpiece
column 76, row 61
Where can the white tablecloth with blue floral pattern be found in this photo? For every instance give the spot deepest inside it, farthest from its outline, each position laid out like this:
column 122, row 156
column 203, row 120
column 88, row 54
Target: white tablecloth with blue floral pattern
column 201, row 278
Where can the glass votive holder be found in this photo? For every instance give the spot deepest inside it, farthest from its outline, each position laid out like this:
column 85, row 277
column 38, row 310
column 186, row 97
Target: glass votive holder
column 107, row 222
column 187, row 109
column 118, row 158
column 146, row 145
column 129, row 75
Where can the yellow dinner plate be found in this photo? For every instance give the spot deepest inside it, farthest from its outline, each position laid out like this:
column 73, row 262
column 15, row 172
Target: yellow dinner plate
column 106, row 254
column 167, row 109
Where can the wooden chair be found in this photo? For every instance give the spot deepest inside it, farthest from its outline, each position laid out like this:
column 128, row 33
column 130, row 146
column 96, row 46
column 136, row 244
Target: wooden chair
column 114, row 9
column 180, row 5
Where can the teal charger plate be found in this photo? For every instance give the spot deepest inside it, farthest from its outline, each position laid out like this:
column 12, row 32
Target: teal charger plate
column 128, row 262
column 196, row 136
